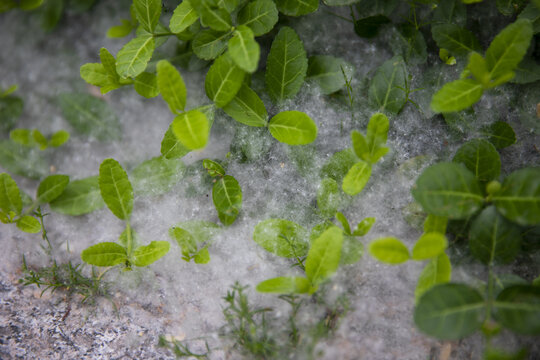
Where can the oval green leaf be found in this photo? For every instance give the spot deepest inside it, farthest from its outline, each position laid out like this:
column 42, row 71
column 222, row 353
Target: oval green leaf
column 146, row 255
column 192, row 129
column 328, row 72
column 104, row 254
column 480, row 157
column 80, row 197
column 437, row 271
column 297, row 7
column 457, row 95
column 244, row 50
column 133, row 58
column 29, row 224
column 519, row 197
column 171, row 86
column 285, row 285
column 51, row 188
column 518, row 309
column 293, row 128
column 116, row 189
column 281, row 237
column 387, row 88
column 247, row 108
column 227, row 197
column 223, row 80
column 324, row 255
column 259, row 15
column 183, row 16
column 356, row 178
column 429, row 245
column 389, row 250
column 10, row 196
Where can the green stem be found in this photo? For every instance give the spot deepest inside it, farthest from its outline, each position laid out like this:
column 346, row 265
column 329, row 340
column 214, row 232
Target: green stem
column 129, row 240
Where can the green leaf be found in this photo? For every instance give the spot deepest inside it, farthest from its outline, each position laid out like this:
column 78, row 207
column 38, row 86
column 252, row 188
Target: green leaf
column 368, row 27
column 437, row 271
column 528, row 71
column 120, row 31
column 328, row 72
column 297, row 7
column 116, row 189
column 171, row 86
column 171, row 147
column 457, row 95
column 429, row 245
column 357, row 178
column 450, row 311
column 22, row 160
column 28, row 5
column 478, row 68
column 259, row 15
column 208, row 44
column 190, row 235
column 492, row 238
column 344, row 223
column 324, row 255
column 285, row 285
column 532, row 13
column 29, row 224
column 133, row 58
column 192, row 129
column 80, row 197
column 10, row 110
column 227, row 197
column 145, row 84
column 293, row 128
column 286, row 65
column 39, row 139
column 480, row 157
column 408, row 41
column 51, row 188
column 339, row 164
column 147, row 13
column 364, row 226
column 202, row 257
column 213, row 168
column 508, row 48
column 455, row 39
column 59, row 138
column 213, row 16
column 451, row 12
column 244, row 50
column 95, row 74
column 448, row 189
column 10, row 196
column 501, row 135
column 518, row 309
column 377, row 134
column 223, row 80
column 435, row 223
column 183, row 16
column 519, row 198
column 90, row 116
column 247, row 108
column 104, row 254
column 281, row 237
column 389, row 250
column 157, row 176
column 51, row 12
column 328, row 197
column 387, row 88
column 146, row 255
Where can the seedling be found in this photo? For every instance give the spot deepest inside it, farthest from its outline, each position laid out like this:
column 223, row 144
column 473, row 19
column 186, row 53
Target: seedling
column 35, row 138
column 226, row 193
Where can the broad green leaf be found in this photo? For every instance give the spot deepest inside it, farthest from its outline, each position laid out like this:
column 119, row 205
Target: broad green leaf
column 247, row 108
column 259, row 15
column 80, row 197
column 351, row 251
column 104, row 254
column 172, row 147
column 186, row 241
column 387, row 88
column 281, row 237
column 508, row 48
column 227, row 197
column 357, row 178
column 429, row 245
column 213, row 168
column 532, row 13
column 50, row 13
column 192, row 129
column 364, row 226
column 10, row 196
column 157, row 175
column 171, row 86
column 297, row 7
column 478, row 68
column 448, row 189
column 455, row 39
column 528, row 71
column 435, row 223
column 492, row 238
column 328, row 72
column 339, row 164
column 202, row 257
column 450, row 311
column 146, row 85
column 389, row 250
column 133, row 58
column 209, row 44
column 146, row 255
column 212, row 15
column 244, row 50
column 120, row 31
column 59, row 138
column 95, row 74
column 51, row 188
column 457, row 95
column 324, row 255
column 437, row 271
column 450, row 12
column 286, row 65
column 147, row 13
column 90, row 116
column 376, row 136
column 293, row 128
column 183, row 16
column 116, row 189
column 29, row 224
column 481, row 158
column 519, row 198
column 518, row 309
column 223, row 80
column 22, row 160
column 285, row 285
column 328, row 197
column 368, row 27
column 501, row 135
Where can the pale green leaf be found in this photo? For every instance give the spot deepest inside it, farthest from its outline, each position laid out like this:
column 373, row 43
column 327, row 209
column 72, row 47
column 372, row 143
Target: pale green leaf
column 351, row 251
column 328, row 197
column 147, row 13
column 519, row 198
column 192, row 128
column 51, row 188
column 183, row 16
column 357, row 178
column 80, row 197
column 59, row 138
column 364, row 226
column 286, row 65
column 293, row 128
column 10, row 196
column 146, row 255
column 285, row 285
column 104, row 254
column 281, row 237
column 344, row 222
column 133, row 58
column 22, row 160
column 297, row 7
column 244, row 50
column 429, row 245
column 437, row 271
column 259, row 15
column 146, row 85
column 227, row 197
column 157, row 175
column 389, row 250
column 202, row 257
column 214, row 169
column 324, row 255
column 457, row 95
column 172, row 147
column 387, row 88
column 247, row 108
column 120, row 31
column 116, row 189
column 171, row 86
column 223, row 80
column 29, row 224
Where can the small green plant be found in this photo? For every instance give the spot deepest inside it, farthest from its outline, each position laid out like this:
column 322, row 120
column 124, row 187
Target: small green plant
column 194, row 237
column 226, row 193
column 117, row 193
column 35, row 138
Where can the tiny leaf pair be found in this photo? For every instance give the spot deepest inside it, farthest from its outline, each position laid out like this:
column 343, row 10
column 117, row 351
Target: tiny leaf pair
column 226, row 193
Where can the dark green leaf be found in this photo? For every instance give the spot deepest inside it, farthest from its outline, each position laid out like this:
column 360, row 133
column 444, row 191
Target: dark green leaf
column 368, row 27
column 247, row 108
column 297, row 7
column 208, row 44
column 387, row 88
column 519, row 197
column 328, row 72
column 518, row 308
column 501, row 134
column 480, row 157
column 455, row 39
